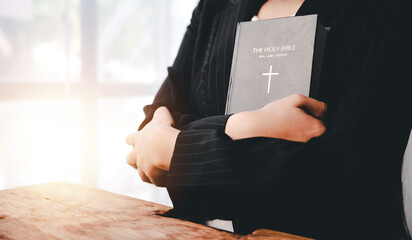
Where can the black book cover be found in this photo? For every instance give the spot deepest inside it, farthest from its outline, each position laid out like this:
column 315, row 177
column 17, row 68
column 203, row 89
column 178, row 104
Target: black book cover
column 273, row 59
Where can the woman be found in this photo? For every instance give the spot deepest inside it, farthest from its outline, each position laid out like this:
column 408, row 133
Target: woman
column 327, row 168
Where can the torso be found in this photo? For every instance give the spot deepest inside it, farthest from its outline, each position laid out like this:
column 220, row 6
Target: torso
column 212, row 72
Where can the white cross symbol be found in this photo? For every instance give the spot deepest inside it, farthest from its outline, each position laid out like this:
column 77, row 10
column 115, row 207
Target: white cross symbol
column 270, row 73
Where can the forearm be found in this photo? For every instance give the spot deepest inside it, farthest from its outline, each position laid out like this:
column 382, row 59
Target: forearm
column 212, row 176
column 165, row 144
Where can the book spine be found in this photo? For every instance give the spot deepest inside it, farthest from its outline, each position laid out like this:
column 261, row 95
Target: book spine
column 319, row 49
column 233, row 70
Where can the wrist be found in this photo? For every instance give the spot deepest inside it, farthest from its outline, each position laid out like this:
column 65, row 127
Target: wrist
column 169, row 136
column 242, row 125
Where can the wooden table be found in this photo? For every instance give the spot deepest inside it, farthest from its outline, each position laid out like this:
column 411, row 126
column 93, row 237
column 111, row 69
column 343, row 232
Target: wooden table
column 70, row 211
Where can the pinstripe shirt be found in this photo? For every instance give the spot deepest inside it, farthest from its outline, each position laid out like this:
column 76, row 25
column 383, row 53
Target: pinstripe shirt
column 343, row 184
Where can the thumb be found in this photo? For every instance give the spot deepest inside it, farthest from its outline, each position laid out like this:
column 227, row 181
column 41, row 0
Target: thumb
column 162, row 115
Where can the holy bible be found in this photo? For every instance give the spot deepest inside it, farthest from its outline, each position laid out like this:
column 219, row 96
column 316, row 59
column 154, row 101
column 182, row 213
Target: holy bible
column 273, row 59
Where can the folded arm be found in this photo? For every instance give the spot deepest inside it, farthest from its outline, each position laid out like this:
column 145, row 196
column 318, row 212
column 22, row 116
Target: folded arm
column 359, row 155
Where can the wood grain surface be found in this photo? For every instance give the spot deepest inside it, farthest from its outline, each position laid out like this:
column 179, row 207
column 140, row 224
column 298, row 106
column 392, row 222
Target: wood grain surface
column 70, row 211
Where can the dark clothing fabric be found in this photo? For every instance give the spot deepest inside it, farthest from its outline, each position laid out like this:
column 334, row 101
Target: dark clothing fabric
column 344, row 184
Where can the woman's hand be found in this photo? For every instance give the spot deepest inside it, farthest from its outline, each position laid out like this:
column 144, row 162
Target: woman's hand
column 153, row 148
column 294, row 118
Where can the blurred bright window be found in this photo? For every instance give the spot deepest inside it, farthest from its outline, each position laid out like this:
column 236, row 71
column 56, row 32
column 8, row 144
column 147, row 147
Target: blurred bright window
column 74, row 76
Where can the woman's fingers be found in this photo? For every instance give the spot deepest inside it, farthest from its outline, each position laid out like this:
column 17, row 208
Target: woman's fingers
column 151, row 174
column 131, row 138
column 131, row 158
column 310, row 105
column 311, row 128
column 132, row 161
column 154, row 175
column 143, row 176
column 144, row 157
column 159, row 178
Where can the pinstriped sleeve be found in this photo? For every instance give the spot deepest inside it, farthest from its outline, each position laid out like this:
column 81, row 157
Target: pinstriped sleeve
column 211, row 176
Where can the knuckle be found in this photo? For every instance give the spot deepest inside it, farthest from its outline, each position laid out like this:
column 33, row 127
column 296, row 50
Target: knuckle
column 151, row 171
column 159, row 180
column 318, row 128
column 130, row 159
column 146, row 180
column 324, row 106
column 297, row 98
column 325, row 109
column 155, row 182
column 143, row 176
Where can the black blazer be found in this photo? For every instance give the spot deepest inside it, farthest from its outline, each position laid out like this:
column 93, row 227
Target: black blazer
column 344, row 184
